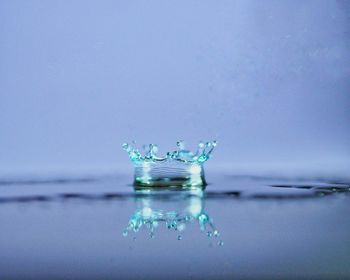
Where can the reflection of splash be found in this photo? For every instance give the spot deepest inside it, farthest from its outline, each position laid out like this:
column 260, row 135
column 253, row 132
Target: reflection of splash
column 152, row 211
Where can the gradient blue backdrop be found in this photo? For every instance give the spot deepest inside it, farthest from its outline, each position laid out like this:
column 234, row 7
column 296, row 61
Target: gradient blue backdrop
column 269, row 80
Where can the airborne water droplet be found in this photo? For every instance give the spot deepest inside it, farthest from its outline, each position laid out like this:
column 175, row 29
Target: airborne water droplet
column 181, row 144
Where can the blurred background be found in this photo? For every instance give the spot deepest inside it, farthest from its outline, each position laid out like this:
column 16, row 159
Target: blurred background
column 269, row 80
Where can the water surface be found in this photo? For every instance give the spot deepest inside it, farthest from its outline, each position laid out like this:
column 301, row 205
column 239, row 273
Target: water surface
column 266, row 227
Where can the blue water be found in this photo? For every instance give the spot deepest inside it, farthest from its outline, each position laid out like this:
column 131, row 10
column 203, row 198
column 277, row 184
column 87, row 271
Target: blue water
column 267, row 227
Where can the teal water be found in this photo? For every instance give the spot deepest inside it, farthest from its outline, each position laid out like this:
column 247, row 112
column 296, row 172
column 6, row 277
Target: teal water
column 180, row 168
column 200, row 156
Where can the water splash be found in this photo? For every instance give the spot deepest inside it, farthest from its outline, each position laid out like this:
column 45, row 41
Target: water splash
column 202, row 154
column 180, row 167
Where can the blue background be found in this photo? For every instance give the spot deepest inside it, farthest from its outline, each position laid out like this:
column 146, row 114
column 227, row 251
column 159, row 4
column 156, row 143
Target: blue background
column 269, row 80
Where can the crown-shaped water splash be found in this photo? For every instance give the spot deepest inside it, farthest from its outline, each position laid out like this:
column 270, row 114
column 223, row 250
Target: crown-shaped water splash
column 179, row 168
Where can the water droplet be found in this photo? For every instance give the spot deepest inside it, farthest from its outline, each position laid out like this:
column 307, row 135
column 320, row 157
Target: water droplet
column 209, row 234
column 154, row 149
column 181, row 144
column 216, row 233
column 203, row 218
column 221, row 243
column 136, row 228
column 179, row 237
column 181, row 227
column 125, row 233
